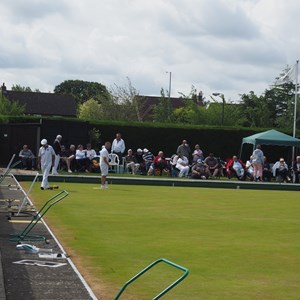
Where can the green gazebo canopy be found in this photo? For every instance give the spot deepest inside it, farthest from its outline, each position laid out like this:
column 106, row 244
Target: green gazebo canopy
column 271, row 137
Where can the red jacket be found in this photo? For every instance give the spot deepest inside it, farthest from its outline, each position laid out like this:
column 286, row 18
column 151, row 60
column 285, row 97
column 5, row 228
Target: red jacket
column 160, row 160
column 229, row 164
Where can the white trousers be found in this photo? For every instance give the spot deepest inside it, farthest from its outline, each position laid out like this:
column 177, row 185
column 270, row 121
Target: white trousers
column 184, row 170
column 45, row 170
column 56, row 162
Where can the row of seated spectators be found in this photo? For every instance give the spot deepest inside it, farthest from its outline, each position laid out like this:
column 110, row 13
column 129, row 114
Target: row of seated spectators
column 145, row 163
column 71, row 159
column 280, row 171
column 79, row 160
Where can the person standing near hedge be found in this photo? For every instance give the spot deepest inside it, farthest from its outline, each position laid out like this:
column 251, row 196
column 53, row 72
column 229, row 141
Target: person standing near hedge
column 46, row 158
column 184, row 150
column 118, row 146
column 57, row 150
column 257, row 162
column 104, row 164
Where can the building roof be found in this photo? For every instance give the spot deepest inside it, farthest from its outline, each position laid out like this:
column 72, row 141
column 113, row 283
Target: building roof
column 44, row 104
column 149, row 102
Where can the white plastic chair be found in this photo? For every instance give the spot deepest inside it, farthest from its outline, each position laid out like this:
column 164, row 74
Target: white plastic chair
column 114, row 162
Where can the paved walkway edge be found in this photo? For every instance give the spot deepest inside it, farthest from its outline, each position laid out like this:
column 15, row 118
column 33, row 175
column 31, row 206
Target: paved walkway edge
column 2, row 289
column 91, row 293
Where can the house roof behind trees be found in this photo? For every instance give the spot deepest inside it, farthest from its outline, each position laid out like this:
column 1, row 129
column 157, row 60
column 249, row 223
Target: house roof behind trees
column 44, row 104
column 149, row 102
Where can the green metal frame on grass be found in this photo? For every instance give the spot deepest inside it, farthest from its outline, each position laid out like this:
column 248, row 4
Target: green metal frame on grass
column 23, row 236
column 167, row 289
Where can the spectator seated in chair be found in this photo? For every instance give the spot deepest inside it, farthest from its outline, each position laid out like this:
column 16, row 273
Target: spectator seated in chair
column 27, row 157
column 131, row 163
column 173, row 162
column 161, row 165
column 95, row 165
column 197, row 154
column 249, row 169
column 200, row 170
column 235, row 167
column 67, row 158
column 296, row 170
column 148, row 161
column 182, row 165
column 213, row 165
column 90, row 154
column 281, row 171
column 139, row 159
column 82, row 162
column 267, row 171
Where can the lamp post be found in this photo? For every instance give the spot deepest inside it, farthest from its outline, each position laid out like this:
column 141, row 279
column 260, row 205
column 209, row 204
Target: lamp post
column 169, row 96
column 223, row 105
column 170, row 81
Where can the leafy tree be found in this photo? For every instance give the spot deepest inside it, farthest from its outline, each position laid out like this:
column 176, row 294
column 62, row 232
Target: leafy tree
column 128, row 101
column 274, row 108
column 185, row 115
column 256, row 110
column 90, row 110
column 163, row 110
column 94, row 135
column 19, row 88
column 10, row 108
column 283, row 100
column 83, row 90
column 193, row 111
column 233, row 115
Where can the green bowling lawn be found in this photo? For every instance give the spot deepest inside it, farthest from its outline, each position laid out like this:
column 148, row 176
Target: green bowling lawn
column 237, row 244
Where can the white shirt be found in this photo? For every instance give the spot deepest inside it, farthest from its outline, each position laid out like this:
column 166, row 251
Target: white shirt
column 118, row 146
column 182, row 161
column 80, row 154
column 237, row 165
column 91, row 153
column 46, row 155
column 103, row 153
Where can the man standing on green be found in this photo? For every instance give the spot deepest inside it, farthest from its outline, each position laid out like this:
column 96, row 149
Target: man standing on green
column 104, row 164
column 46, row 158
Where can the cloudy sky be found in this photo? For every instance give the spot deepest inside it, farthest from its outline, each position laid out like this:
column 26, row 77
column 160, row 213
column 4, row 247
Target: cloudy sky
column 227, row 46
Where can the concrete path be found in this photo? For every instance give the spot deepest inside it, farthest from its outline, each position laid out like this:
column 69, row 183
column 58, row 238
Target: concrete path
column 37, row 279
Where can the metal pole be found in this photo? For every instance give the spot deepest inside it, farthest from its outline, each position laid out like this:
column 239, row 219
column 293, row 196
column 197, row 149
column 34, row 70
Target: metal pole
column 296, row 99
column 223, row 108
column 170, row 80
column 295, row 108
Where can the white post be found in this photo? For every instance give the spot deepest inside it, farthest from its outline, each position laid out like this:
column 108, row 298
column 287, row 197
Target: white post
column 296, row 99
column 295, row 108
column 170, row 80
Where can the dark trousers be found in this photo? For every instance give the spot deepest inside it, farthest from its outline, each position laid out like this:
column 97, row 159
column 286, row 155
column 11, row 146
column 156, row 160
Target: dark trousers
column 120, row 155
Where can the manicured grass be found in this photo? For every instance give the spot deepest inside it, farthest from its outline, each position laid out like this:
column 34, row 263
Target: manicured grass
column 237, row 244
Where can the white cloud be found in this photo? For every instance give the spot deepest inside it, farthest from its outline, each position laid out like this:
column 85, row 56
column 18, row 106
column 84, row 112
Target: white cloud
column 231, row 46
